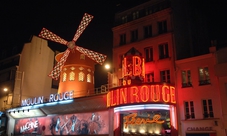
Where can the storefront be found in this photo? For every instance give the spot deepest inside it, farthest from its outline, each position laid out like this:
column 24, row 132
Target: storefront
column 146, row 109
column 201, row 128
column 60, row 116
column 66, row 124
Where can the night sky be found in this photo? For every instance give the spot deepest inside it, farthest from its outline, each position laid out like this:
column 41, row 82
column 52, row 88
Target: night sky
column 21, row 19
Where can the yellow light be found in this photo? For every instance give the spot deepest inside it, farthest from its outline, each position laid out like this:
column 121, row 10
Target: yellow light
column 5, row 89
column 142, row 131
column 107, row 66
column 126, row 130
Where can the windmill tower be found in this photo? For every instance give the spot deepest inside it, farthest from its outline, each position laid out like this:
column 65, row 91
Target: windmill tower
column 75, row 66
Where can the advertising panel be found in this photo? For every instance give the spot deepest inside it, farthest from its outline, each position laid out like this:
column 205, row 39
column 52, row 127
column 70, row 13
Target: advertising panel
column 69, row 124
column 154, row 122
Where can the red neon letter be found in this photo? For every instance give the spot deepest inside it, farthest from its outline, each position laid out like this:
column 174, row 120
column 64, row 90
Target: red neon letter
column 108, row 99
column 155, row 93
column 134, row 93
column 136, row 66
column 172, row 93
column 165, row 94
column 123, row 96
column 113, row 103
column 144, row 93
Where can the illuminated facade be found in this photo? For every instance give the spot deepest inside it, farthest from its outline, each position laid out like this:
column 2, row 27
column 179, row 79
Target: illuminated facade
column 149, row 92
column 143, row 94
column 19, row 72
column 22, row 74
column 202, row 95
column 77, row 72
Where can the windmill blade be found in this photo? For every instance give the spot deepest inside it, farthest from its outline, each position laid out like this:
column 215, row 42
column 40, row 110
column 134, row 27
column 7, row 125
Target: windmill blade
column 83, row 24
column 97, row 57
column 55, row 73
column 46, row 34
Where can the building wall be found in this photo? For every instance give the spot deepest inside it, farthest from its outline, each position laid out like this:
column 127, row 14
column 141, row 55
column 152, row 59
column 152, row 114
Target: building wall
column 196, row 93
column 36, row 62
column 221, row 73
column 154, row 41
column 157, row 64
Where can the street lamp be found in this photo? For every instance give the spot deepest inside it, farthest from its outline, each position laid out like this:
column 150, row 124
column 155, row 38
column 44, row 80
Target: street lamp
column 5, row 89
column 109, row 76
column 5, row 101
column 107, row 66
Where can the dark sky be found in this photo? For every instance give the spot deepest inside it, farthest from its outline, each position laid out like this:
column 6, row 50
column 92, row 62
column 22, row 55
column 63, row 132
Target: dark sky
column 20, row 19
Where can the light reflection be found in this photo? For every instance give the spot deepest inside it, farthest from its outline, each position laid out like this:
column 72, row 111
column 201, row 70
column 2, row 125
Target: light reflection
column 142, row 107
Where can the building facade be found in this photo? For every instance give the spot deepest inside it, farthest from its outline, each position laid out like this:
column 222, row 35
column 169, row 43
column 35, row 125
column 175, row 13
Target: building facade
column 143, row 71
column 200, row 98
column 19, row 76
column 150, row 91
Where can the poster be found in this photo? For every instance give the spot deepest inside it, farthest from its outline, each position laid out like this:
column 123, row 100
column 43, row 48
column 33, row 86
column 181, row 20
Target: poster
column 68, row 124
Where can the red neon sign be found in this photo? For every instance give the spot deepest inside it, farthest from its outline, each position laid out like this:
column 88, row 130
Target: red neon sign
column 133, row 66
column 141, row 94
column 132, row 119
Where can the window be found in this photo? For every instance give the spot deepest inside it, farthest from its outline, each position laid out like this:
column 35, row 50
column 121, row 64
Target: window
column 162, row 27
column 186, row 78
column 135, row 15
column 89, row 78
column 148, row 54
column 134, row 35
column 149, row 77
column 147, row 31
column 204, row 77
column 124, row 19
column 165, row 76
column 82, row 56
column 163, row 51
column 71, row 76
column 148, row 11
column 64, row 77
column 81, row 76
column 189, row 110
column 122, row 39
column 207, row 108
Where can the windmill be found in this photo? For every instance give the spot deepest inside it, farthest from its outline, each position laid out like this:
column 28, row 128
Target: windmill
column 95, row 56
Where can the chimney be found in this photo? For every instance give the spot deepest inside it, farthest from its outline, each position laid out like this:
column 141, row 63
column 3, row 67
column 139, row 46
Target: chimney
column 212, row 49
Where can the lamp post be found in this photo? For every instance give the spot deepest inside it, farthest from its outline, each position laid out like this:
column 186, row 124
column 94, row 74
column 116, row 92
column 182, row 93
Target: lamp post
column 5, row 89
column 5, row 101
column 109, row 76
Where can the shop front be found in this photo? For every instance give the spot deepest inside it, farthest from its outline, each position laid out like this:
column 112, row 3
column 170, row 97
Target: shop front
column 146, row 109
column 60, row 116
column 66, row 124
column 201, row 127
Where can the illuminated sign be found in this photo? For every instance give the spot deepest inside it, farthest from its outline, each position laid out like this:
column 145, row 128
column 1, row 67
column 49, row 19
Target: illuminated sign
column 132, row 120
column 141, row 94
column 52, row 98
column 29, row 125
column 64, row 124
column 133, row 69
column 133, row 66
column 199, row 129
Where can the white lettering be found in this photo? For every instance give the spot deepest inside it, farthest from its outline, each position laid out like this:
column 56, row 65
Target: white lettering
column 28, row 126
column 30, row 101
column 52, row 98
column 199, row 128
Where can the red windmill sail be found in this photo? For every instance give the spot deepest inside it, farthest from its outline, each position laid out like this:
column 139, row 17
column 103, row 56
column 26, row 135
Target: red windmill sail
column 97, row 57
